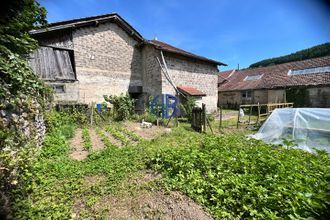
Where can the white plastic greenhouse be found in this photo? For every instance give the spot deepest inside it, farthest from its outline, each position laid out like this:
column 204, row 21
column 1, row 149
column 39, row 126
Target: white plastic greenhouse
column 308, row 128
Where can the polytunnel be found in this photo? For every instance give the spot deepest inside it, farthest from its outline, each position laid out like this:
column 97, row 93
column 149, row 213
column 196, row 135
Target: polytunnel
column 305, row 128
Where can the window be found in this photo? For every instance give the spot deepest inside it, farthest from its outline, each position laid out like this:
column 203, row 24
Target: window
column 59, row 88
column 53, row 64
column 254, row 77
column 321, row 69
column 247, row 95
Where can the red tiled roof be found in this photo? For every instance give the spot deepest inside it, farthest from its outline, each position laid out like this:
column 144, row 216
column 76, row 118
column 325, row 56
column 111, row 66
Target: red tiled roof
column 224, row 75
column 192, row 91
column 276, row 76
column 171, row 49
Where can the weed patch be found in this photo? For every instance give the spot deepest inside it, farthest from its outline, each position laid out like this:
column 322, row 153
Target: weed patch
column 236, row 178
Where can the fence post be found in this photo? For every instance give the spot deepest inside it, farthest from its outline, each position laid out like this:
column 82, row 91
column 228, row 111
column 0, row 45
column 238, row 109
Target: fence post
column 92, row 111
column 258, row 113
column 220, row 125
column 203, row 118
column 239, row 108
column 250, row 114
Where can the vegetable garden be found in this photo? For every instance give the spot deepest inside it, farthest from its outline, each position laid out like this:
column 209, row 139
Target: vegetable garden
column 53, row 165
column 228, row 176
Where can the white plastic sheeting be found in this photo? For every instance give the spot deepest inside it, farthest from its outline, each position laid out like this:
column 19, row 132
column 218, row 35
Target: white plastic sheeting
column 308, row 128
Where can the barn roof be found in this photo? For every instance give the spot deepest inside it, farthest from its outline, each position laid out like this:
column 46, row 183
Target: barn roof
column 87, row 21
column 171, row 49
column 191, row 91
column 114, row 17
column 298, row 73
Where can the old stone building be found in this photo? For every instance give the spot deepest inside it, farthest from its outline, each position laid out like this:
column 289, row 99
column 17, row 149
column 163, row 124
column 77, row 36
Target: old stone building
column 306, row 83
column 85, row 59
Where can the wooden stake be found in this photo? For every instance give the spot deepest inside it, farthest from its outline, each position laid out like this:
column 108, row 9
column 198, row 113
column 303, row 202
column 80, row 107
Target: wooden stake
column 220, row 126
column 258, row 113
column 204, row 118
column 92, row 110
column 250, row 114
column 238, row 118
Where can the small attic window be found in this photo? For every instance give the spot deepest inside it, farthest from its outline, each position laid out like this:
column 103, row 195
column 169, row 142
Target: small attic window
column 255, row 77
column 322, row 69
column 59, row 88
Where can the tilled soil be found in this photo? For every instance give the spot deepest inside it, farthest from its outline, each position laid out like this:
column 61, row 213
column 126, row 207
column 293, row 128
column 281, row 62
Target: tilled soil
column 146, row 133
column 77, row 150
column 145, row 203
column 113, row 140
column 97, row 143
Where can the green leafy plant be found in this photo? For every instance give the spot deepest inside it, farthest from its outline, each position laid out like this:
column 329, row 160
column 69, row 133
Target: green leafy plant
column 187, row 106
column 237, row 178
column 123, row 106
column 87, row 139
column 118, row 135
column 23, row 97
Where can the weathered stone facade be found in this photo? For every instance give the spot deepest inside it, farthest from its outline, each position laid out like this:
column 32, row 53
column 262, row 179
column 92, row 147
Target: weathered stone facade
column 108, row 61
column 315, row 97
column 187, row 72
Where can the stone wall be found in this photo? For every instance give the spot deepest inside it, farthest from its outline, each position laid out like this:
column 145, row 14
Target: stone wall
column 151, row 74
column 228, row 99
column 189, row 72
column 234, row 98
column 260, row 96
column 319, row 97
column 276, row 96
column 107, row 61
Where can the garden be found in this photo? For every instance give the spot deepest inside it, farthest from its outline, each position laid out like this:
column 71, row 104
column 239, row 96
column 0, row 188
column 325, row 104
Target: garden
column 109, row 171
column 68, row 165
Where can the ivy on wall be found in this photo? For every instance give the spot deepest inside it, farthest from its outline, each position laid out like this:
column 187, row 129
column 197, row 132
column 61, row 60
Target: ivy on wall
column 22, row 96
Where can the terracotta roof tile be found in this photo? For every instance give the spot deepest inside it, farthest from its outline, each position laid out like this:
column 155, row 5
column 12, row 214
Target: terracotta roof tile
column 192, row 91
column 276, row 76
column 224, row 75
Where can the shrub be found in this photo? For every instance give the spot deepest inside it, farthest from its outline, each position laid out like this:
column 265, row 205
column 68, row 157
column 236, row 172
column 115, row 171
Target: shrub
column 123, row 106
column 148, row 117
column 55, row 120
column 187, row 106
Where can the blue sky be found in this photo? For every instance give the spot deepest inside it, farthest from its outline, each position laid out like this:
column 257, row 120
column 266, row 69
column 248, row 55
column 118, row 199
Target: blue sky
column 232, row 31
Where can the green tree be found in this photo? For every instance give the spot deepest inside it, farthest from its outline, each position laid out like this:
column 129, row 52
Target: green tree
column 21, row 94
column 309, row 53
column 18, row 17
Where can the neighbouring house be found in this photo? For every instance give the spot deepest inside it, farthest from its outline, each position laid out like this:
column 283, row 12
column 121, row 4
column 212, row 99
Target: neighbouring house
column 87, row 58
column 306, row 83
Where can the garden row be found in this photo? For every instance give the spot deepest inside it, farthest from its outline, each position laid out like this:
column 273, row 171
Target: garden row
column 233, row 178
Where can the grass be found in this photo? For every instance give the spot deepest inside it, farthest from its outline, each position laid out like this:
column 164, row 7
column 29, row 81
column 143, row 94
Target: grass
column 229, row 175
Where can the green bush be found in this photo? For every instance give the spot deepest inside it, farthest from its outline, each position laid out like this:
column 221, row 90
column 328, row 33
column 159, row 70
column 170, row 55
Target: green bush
column 148, row 117
column 187, row 106
column 55, row 120
column 237, row 178
column 123, row 106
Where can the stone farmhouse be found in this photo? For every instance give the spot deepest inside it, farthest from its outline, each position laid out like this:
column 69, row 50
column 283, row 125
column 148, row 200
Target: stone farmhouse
column 87, row 58
column 306, row 83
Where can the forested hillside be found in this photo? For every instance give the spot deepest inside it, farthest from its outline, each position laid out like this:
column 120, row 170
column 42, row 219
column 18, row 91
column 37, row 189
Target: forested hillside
column 313, row 52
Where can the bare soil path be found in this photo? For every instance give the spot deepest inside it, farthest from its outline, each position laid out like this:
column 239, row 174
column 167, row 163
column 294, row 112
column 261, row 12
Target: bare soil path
column 113, row 140
column 146, row 133
column 141, row 202
column 77, row 150
column 97, row 143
